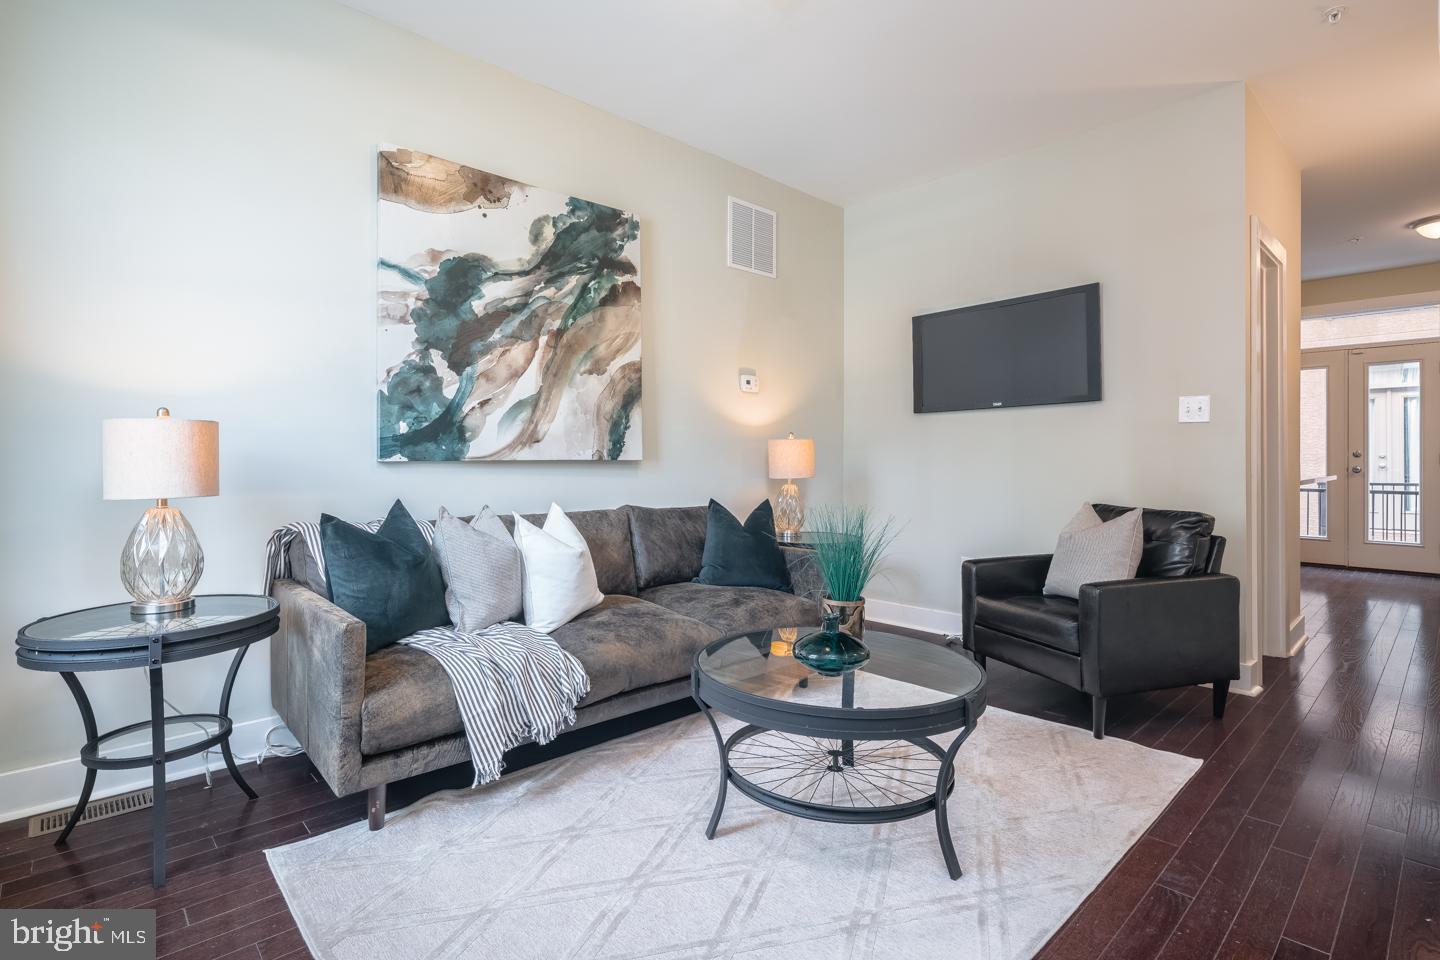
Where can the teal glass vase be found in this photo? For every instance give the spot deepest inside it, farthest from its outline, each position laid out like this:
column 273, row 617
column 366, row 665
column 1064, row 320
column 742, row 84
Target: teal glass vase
column 829, row 651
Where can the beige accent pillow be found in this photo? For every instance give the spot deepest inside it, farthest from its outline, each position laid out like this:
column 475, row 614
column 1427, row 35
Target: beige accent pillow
column 1091, row 550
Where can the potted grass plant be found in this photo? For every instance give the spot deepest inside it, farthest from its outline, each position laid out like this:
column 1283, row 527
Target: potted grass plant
column 850, row 545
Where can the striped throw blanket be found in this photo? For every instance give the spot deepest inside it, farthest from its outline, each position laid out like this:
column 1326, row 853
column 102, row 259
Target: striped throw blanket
column 513, row 685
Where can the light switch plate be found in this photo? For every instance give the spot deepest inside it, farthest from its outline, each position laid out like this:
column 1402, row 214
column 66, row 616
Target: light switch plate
column 1195, row 409
column 749, row 380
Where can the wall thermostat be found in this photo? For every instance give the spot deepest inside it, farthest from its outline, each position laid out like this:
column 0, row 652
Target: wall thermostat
column 749, row 380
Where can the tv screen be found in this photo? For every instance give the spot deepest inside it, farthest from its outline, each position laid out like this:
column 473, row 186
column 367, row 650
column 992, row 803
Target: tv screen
column 1033, row 350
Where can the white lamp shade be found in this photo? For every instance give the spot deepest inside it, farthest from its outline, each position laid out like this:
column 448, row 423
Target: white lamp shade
column 792, row 458
column 150, row 458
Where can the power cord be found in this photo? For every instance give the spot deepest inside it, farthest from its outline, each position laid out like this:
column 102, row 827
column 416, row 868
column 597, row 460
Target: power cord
column 205, row 755
column 268, row 749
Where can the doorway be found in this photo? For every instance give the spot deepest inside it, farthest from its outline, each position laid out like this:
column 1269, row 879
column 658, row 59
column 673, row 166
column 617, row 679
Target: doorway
column 1369, row 457
column 1271, row 552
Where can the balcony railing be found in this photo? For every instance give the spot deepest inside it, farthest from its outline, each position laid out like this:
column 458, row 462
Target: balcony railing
column 1394, row 512
column 1314, row 512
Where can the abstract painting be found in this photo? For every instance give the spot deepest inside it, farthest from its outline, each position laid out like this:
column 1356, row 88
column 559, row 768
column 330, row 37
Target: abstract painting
column 509, row 318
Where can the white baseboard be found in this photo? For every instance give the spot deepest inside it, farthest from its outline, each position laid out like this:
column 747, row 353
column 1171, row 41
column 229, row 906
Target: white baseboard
column 54, row 786
column 1251, row 677
column 946, row 622
column 1297, row 639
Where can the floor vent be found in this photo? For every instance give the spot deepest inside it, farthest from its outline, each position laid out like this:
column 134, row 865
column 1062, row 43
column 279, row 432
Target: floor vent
column 54, row 821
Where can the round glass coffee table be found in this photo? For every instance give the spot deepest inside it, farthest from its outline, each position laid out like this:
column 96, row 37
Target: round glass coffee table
column 855, row 748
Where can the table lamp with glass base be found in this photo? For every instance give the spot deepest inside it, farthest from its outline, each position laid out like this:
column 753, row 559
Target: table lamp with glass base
column 161, row 458
column 790, row 460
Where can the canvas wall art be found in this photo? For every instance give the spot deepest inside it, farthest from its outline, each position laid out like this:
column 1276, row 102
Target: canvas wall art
column 509, row 318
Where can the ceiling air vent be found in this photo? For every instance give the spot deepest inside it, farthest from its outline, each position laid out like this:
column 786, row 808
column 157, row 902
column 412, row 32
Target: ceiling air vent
column 750, row 238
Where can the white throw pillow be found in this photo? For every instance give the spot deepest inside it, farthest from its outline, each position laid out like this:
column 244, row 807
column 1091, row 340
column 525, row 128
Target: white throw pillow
column 1091, row 550
column 559, row 574
column 482, row 570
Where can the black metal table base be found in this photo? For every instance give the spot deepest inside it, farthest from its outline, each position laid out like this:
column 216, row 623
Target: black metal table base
column 805, row 748
column 839, row 779
column 90, row 754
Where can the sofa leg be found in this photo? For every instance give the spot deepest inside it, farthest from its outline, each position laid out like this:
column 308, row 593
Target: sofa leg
column 1097, row 717
column 1220, row 689
column 377, row 807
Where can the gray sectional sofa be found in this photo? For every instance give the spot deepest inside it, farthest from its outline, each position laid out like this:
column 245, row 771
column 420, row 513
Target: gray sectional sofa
column 365, row 721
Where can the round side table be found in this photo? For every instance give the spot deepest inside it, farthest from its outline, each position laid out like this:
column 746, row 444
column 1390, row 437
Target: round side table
column 110, row 638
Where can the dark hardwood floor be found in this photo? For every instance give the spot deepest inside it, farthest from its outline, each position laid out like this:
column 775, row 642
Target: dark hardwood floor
column 1311, row 830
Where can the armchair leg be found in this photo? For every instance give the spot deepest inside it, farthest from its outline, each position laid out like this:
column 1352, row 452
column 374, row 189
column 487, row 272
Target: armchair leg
column 979, row 659
column 376, row 805
column 1220, row 689
column 1097, row 717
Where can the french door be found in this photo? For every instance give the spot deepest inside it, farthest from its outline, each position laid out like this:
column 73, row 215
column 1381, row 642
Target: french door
column 1324, row 442
column 1370, row 457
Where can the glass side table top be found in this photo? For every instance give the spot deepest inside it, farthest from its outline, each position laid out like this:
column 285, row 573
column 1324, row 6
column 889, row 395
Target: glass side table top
column 114, row 626
column 901, row 671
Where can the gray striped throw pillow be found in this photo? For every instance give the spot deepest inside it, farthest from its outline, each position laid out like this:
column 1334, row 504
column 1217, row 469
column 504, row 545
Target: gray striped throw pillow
column 1091, row 550
column 481, row 565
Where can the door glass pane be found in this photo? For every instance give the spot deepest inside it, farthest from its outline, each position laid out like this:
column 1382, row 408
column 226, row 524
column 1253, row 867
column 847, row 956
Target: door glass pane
column 1393, row 514
column 1314, row 439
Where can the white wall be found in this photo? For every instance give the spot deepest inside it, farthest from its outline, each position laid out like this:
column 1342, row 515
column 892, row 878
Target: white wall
column 187, row 217
column 1152, row 208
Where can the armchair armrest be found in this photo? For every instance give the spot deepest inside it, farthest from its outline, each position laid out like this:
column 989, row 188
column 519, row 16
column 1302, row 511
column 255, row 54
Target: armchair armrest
column 317, row 681
column 1156, row 632
column 999, row 577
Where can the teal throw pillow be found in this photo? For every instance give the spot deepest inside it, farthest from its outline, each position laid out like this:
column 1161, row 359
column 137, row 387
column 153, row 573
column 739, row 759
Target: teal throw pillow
column 389, row 579
column 743, row 555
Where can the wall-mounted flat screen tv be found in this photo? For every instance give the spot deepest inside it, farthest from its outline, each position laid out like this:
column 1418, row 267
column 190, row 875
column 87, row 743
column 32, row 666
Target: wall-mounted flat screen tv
column 1040, row 349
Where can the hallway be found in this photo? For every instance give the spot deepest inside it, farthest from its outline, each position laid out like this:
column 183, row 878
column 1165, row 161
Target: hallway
column 1313, row 828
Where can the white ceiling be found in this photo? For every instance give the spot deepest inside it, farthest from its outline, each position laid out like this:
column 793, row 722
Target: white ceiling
column 1365, row 128
column 846, row 99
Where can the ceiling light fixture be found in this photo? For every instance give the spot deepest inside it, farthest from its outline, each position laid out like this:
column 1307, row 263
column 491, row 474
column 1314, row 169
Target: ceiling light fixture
column 1333, row 15
column 1427, row 227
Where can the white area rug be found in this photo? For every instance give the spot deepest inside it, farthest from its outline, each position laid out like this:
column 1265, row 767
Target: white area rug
column 602, row 854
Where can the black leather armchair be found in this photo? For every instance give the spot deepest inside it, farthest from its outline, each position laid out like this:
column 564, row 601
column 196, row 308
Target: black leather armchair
column 1176, row 623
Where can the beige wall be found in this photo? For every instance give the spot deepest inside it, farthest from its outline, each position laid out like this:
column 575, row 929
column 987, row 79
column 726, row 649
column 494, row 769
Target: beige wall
column 188, row 217
column 1272, row 194
column 1154, row 209
column 1375, row 289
